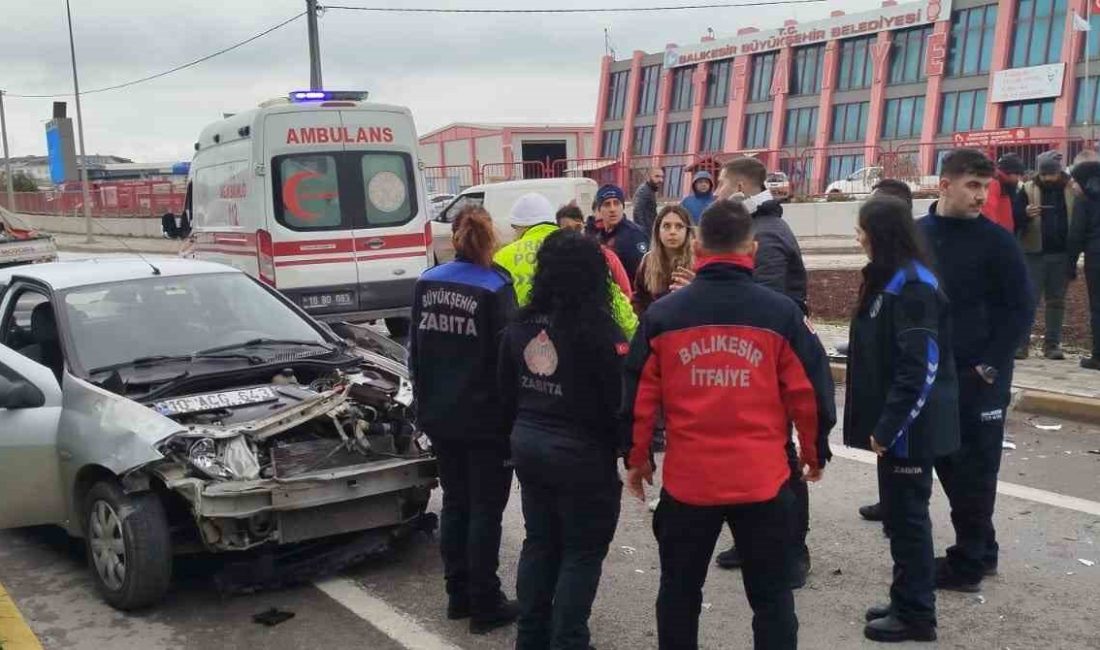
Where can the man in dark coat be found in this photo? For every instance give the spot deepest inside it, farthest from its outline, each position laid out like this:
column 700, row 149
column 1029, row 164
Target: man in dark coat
column 645, row 199
column 621, row 235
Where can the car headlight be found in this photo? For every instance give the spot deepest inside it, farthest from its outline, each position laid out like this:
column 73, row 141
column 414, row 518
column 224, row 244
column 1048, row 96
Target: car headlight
column 229, row 459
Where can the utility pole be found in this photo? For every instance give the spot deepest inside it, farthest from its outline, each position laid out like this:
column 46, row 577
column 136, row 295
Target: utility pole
column 7, row 160
column 314, row 46
column 86, row 195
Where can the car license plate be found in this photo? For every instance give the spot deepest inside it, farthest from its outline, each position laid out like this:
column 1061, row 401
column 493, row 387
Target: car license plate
column 216, row 401
column 325, row 300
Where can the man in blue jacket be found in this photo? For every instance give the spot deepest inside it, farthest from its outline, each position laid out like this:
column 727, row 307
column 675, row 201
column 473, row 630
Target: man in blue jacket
column 620, row 234
column 983, row 273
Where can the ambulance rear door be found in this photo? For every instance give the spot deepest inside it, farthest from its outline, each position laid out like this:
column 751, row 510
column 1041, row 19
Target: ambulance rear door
column 391, row 241
column 312, row 210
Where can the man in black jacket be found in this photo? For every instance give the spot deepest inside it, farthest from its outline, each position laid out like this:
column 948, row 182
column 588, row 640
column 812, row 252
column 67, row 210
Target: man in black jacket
column 982, row 271
column 1084, row 237
column 779, row 267
column 621, row 235
column 645, row 199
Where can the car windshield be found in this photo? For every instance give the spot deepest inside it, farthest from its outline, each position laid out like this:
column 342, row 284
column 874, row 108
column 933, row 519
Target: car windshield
column 113, row 324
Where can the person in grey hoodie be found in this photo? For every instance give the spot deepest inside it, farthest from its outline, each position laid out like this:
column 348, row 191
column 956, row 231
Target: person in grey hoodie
column 645, row 199
column 702, row 195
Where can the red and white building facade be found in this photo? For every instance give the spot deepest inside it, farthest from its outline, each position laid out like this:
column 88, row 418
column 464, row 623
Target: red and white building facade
column 895, row 87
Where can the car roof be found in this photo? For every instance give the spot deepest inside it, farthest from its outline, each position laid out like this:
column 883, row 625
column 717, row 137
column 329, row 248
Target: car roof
column 87, row 272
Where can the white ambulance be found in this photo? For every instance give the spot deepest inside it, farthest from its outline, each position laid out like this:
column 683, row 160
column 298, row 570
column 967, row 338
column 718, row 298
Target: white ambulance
column 319, row 195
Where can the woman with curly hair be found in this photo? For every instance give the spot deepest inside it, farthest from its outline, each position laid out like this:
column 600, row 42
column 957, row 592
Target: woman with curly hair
column 561, row 375
column 670, row 260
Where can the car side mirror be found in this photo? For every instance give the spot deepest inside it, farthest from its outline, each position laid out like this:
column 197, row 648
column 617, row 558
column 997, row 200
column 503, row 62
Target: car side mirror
column 20, row 394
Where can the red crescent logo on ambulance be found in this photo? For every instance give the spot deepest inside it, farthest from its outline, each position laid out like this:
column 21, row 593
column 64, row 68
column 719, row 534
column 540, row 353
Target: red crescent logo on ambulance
column 292, row 197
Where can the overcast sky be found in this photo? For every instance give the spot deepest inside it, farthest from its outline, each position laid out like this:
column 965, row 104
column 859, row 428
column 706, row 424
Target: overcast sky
column 445, row 67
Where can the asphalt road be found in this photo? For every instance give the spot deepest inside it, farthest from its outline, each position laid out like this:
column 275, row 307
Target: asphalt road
column 1043, row 598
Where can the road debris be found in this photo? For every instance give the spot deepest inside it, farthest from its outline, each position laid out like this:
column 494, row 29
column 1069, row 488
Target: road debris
column 707, row 605
column 981, row 599
column 1008, row 444
column 638, row 571
column 1086, row 562
column 1046, row 427
column 628, row 550
column 272, row 617
column 1094, row 451
column 837, row 572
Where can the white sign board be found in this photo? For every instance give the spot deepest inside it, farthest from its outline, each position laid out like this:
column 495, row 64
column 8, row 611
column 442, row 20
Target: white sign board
column 899, row 16
column 1020, row 84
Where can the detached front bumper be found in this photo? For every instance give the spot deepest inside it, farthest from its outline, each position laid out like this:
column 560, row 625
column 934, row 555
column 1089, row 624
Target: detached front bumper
column 238, row 515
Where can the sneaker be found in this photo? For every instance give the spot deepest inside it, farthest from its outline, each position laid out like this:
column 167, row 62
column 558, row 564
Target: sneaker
column 892, row 629
column 948, row 580
column 1091, row 363
column 876, row 612
column 505, row 613
column 1054, row 353
column 872, row 512
column 729, row 559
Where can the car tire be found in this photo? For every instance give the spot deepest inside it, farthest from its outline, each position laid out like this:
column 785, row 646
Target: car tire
column 398, row 327
column 136, row 525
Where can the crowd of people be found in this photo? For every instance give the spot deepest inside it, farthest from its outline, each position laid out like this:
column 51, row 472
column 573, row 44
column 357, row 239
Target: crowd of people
column 587, row 339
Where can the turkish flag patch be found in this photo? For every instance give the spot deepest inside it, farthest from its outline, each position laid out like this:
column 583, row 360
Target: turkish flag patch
column 622, row 348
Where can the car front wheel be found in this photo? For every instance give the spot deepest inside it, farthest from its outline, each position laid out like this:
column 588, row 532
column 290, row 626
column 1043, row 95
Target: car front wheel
column 128, row 544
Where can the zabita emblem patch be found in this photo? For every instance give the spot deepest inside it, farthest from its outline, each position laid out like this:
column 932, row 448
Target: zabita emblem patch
column 541, row 356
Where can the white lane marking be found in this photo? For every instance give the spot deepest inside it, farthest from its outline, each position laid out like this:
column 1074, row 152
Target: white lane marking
column 394, row 624
column 1007, row 489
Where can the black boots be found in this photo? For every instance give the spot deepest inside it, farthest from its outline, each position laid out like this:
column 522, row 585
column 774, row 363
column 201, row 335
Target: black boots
column 872, row 512
column 891, row 629
column 505, row 613
column 948, row 580
column 729, row 559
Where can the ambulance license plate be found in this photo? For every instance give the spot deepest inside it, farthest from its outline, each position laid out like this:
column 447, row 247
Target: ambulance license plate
column 327, row 300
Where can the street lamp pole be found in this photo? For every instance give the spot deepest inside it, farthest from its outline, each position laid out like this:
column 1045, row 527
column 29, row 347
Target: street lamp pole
column 83, row 166
column 314, row 46
column 7, row 159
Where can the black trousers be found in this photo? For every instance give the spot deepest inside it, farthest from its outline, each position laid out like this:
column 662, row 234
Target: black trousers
column 883, row 470
column 907, row 489
column 686, row 536
column 800, row 514
column 1092, row 279
column 476, row 482
column 568, row 534
column 969, row 476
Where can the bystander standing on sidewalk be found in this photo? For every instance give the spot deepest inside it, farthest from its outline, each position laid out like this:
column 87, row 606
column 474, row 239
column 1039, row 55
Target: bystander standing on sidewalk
column 981, row 269
column 645, row 198
column 730, row 363
column 1002, row 206
column 702, row 195
column 629, row 241
column 778, row 266
column 1048, row 206
column 1084, row 237
column 462, row 308
column 561, row 376
column 901, row 403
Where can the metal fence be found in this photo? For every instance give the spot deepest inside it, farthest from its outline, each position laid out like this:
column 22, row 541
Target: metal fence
column 450, row 179
column 105, row 202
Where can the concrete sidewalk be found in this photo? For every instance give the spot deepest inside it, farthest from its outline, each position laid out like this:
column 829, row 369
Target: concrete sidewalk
column 1056, row 388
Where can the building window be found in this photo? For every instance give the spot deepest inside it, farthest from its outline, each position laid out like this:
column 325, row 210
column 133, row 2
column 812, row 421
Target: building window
column 714, row 135
column 681, row 89
column 963, row 111
column 850, row 122
column 807, row 70
column 674, row 180
column 760, row 84
column 1092, row 48
column 856, row 63
column 718, row 83
column 841, row 167
column 648, row 90
column 1039, row 28
column 971, row 49
column 616, row 94
column 612, row 140
column 757, row 130
column 903, row 118
column 801, row 126
column 1031, row 113
column 1085, row 112
column 676, row 140
column 907, row 55
column 643, row 140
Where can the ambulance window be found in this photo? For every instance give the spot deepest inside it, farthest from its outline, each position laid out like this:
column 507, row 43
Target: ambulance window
column 307, row 195
column 389, row 191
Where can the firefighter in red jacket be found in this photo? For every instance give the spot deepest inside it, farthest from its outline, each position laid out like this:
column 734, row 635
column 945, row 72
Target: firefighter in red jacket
column 730, row 363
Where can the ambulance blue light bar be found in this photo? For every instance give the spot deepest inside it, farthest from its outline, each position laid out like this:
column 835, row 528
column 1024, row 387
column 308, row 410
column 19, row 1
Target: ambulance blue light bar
column 328, row 95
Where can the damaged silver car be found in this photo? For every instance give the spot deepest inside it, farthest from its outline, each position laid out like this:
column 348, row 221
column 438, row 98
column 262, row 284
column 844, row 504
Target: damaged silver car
column 177, row 406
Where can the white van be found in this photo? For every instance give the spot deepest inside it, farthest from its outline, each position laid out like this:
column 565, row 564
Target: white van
column 498, row 199
column 320, row 196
